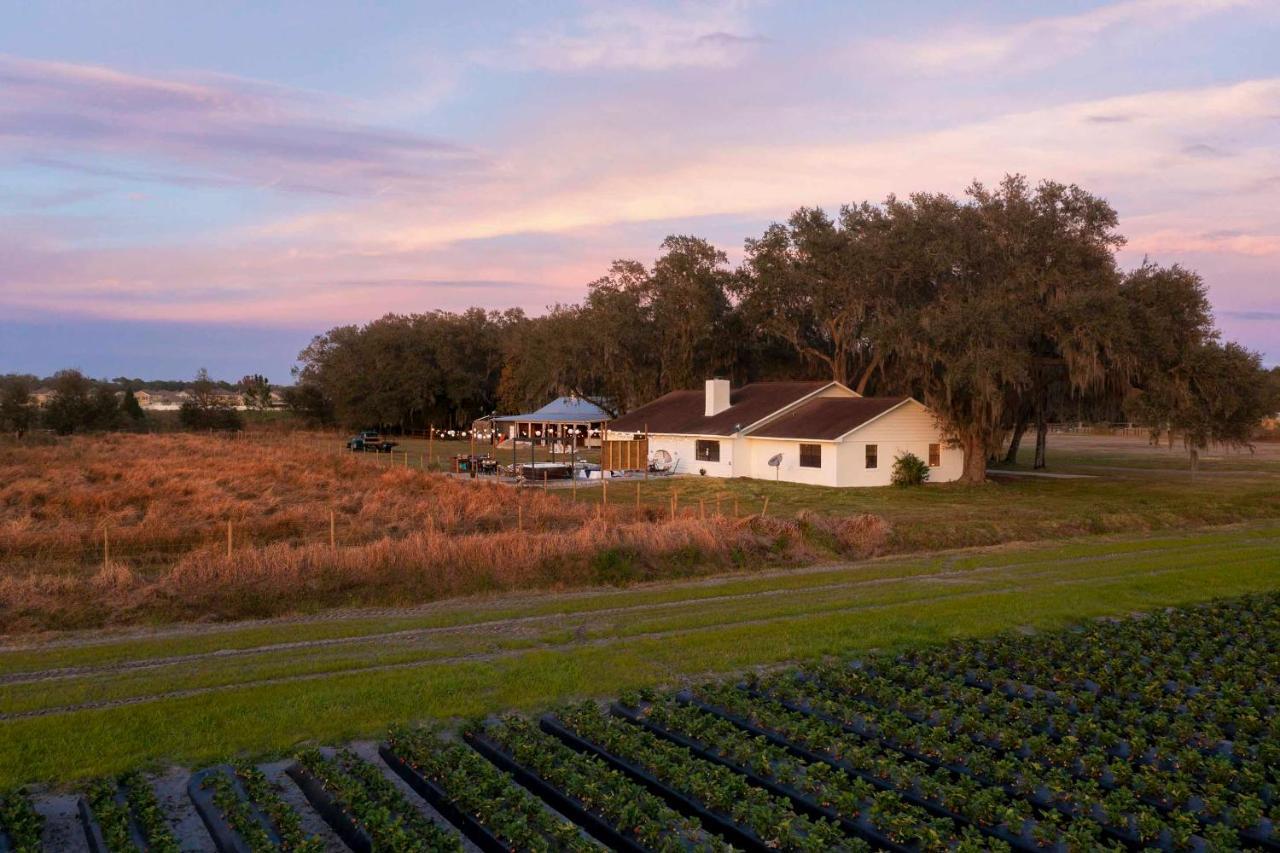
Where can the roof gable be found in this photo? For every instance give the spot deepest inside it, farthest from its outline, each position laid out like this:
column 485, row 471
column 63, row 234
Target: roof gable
column 828, row 418
column 684, row 412
column 564, row 410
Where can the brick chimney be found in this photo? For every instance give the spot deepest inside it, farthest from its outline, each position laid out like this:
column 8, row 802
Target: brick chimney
column 717, row 396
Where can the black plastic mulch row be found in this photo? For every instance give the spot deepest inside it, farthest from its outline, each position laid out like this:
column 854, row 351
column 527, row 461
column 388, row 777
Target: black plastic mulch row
column 343, row 824
column 93, row 830
column 225, row 836
column 438, row 797
column 803, row 803
column 805, row 754
column 1267, row 843
column 1042, row 800
column 739, row 836
column 600, row 828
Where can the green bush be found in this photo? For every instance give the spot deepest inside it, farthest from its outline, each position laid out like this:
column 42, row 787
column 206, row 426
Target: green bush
column 909, row 470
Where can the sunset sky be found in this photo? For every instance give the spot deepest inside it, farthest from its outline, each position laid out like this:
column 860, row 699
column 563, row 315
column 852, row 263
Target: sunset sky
column 210, row 184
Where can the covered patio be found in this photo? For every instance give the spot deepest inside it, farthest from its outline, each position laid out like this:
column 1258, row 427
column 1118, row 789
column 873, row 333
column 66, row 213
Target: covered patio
column 568, row 421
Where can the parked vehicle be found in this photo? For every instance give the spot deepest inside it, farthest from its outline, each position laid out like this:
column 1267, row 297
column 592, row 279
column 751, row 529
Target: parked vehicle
column 370, row 441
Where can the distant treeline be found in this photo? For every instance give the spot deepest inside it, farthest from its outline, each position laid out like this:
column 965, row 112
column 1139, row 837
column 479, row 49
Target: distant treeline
column 1002, row 311
column 70, row 402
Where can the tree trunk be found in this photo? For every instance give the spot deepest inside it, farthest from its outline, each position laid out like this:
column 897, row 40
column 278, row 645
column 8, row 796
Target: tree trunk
column 1042, row 440
column 866, row 375
column 1019, row 428
column 975, row 461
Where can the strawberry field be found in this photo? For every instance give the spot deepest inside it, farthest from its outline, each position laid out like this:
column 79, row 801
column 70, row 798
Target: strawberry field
column 1159, row 732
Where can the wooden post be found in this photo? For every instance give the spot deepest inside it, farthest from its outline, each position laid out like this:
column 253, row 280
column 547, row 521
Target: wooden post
column 718, row 503
column 764, row 509
column 702, row 508
column 604, row 491
column 228, row 538
column 544, row 479
column 333, row 531
column 646, row 451
column 431, row 436
column 673, row 506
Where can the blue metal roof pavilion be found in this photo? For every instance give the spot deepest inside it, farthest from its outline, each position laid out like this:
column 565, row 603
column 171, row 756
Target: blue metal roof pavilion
column 562, row 410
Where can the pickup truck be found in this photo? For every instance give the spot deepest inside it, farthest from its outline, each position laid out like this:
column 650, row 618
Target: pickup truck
column 370, row 442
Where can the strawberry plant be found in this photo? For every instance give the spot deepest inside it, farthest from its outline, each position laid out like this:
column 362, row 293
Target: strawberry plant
column 285, row 819
column 129, row 815
column 601, row 790
column 20, row 823
column 767, row 817
column 375, row 806
column 486, row 794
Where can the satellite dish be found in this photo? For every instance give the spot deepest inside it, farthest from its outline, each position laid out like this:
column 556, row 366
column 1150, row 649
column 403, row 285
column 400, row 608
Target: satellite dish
column 775, row 462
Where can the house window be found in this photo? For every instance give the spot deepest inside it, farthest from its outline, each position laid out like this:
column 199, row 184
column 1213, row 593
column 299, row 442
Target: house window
column 935, row 455
column 811, row 456
column 872, row 455
column 707, row 451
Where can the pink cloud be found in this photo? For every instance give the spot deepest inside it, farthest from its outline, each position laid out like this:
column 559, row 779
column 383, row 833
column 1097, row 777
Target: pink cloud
column 218, row 132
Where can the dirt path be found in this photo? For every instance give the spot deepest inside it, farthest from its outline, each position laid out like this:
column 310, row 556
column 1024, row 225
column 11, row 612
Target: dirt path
column 511, row 626
column 578, row 644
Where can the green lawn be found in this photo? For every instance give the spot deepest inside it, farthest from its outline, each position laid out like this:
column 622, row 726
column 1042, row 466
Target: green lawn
column 1004, row 510
column 193, row 696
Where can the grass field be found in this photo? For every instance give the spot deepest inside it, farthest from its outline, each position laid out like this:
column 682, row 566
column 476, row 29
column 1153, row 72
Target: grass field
column 126, row 530
column 92, row 704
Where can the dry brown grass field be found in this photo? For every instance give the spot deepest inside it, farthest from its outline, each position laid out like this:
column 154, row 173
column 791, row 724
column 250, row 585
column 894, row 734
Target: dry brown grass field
column 115, row 530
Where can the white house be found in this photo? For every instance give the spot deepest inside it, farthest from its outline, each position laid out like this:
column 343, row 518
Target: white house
column 822, row 433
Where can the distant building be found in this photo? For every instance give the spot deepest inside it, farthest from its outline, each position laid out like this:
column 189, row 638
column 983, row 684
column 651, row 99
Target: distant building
column 161, row 401
column 822, row 433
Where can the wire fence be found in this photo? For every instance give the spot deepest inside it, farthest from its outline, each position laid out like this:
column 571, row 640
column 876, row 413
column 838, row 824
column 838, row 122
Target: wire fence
column 534, row 507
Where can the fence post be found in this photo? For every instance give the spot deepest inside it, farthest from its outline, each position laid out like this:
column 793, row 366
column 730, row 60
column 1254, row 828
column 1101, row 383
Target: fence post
column 702, row 508
column 604, row 491
column 637, row 497
column 333, row 532
column 764, row 509
column 228, row 538
column 718, row 496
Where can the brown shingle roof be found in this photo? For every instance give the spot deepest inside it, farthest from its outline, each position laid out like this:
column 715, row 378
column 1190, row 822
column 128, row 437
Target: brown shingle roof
column 683, row 412
column 827, row 418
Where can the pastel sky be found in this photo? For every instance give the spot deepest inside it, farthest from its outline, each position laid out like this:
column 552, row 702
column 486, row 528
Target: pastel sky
column 192, row 184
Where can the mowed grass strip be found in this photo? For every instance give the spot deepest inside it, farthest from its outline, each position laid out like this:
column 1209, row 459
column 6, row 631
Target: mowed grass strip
column 274, row 717
column 217, row 673
column 105, row 650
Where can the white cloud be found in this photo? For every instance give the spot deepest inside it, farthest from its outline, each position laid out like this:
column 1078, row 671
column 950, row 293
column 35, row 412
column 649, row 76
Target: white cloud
column 1042, row 41
column 1142, row 157
column 691, row 34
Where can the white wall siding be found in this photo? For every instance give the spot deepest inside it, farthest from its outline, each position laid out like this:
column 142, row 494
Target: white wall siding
column 910, row 428
column 760, row 450
column 684, row 449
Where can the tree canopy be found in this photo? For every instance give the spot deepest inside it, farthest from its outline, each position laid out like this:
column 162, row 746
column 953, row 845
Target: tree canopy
column 1000, row 310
